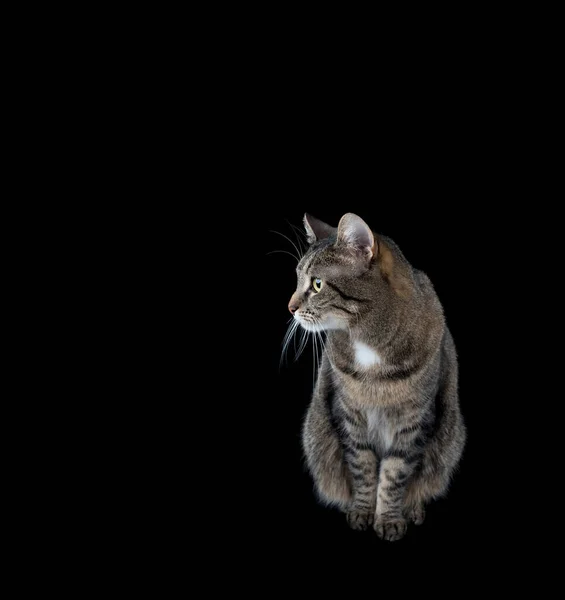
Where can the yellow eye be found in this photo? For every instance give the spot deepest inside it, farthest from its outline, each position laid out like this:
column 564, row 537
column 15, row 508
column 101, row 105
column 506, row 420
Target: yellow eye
column 317, row 284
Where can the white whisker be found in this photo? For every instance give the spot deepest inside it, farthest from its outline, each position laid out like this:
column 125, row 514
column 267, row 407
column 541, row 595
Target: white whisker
column 322, row 341
column 303, row 344
column 321, row 350
column 284, row 252
column 317, row 356
column 299, row 236
column 285, row 343
column 289, row 335
column 298, row 256
column 319, row 336
column 314, row 359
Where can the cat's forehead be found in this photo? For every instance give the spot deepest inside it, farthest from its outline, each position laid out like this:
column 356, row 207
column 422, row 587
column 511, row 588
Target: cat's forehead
column 318, row 255
column 328, row 261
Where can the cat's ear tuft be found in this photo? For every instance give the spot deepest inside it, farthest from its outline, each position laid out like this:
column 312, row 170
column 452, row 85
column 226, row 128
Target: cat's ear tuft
column 355, row 233
column 316, row 229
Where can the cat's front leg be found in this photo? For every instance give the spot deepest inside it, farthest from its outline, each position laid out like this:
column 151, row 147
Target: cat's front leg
column 390, row 522
column 363, row 470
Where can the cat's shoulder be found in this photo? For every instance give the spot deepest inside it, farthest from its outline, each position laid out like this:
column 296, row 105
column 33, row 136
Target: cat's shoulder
column 422, row 279
column 426, row 287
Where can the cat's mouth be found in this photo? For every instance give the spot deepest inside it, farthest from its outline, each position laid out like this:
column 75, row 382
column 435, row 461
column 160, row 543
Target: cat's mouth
column 309, row 323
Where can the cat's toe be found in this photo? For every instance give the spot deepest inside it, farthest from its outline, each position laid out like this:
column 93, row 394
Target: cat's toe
column 359, row 520
column 391, row 530
column 417, row 514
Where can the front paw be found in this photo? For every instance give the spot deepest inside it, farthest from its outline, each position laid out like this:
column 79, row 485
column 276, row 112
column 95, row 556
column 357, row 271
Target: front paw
column 390, row 530
column 359, row 520
column 417, row 514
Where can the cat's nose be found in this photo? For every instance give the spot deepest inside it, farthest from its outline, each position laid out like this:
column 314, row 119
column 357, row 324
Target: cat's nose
column 293, row 306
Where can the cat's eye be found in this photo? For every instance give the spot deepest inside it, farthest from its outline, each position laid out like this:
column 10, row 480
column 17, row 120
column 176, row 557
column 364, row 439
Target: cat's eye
column 317, row 284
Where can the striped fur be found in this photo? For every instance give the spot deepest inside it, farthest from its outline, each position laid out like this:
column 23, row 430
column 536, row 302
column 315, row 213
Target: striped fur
column 383, row 433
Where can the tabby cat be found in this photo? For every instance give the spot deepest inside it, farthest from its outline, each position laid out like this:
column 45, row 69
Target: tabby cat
column 383, row 433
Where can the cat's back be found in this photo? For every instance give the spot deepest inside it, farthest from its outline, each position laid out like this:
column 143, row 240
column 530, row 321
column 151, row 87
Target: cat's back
column 426, row 287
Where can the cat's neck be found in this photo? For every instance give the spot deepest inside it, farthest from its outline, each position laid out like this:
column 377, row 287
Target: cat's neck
column 377, row 331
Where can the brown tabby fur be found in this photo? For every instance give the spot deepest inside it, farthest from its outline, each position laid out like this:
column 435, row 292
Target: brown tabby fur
column 384, row 432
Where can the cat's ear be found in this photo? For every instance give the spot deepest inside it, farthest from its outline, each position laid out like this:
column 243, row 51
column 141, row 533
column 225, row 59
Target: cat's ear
column 355, row 233
column 316, row 229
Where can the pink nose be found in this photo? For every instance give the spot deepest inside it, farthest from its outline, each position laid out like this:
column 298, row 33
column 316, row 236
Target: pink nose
column 293, row 307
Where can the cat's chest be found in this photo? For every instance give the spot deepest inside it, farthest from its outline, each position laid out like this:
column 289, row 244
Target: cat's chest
column 364, row 356
column 356, row 360
column 359, row 368
column 380, row 428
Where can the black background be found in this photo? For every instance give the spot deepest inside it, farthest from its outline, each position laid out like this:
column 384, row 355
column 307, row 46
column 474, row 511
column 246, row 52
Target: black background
column 457, row 188
column 460, row 201
column 442, row 152
column 465, row 203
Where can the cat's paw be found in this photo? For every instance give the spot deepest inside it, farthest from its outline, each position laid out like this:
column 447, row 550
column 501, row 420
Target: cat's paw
column 417, row 514
column 391, row 530
column 360, row 520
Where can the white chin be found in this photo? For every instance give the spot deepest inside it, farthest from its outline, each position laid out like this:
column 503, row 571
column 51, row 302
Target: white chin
column 325, row 325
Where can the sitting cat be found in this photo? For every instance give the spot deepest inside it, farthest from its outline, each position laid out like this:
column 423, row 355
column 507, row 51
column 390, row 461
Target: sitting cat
column 384, row 432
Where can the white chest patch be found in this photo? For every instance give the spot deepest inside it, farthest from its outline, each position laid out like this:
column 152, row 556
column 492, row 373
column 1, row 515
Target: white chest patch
column 380, row 431
column 365, row 356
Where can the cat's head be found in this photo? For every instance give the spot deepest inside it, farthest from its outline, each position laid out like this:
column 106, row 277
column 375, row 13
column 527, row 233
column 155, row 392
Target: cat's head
column 334, row 284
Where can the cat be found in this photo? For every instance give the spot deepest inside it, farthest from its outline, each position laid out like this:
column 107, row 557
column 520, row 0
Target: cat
column 383, row 433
